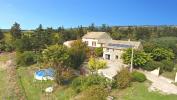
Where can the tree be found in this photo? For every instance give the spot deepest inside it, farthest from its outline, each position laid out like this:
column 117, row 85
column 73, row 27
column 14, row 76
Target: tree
column 15, row 31
column 151, row 65
column 1, row 35
column 25, row 59
column 41, row 38
column 58, row 57
column 92, row 27
column 80, row 32
column 140, row 58
column 95, row 64
column 98, row 51
column 57, row 38
column 24, row 44
column 149, row 46
column 123, row 79
column 82, row 83
column 159, row 54
column 95, row 92
column 78, row 53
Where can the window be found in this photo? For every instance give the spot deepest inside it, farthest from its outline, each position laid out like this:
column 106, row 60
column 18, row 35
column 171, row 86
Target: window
column 93, row 43
column 107, row 56
column 117, row 57
column 86, row 42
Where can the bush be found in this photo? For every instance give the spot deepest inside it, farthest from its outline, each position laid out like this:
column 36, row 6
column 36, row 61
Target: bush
column 95, row 92
column 151, row 65
column 159, row 54
column 81, row 83
column 123, row 79
column 137, row 76
column 168, row 65
column 95, row 64
column 25, row 59
column 98, row 51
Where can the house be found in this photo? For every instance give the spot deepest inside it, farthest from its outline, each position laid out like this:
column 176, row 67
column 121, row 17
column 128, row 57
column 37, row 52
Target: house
column 113, row 49
column 68, row 43
column 92, row 38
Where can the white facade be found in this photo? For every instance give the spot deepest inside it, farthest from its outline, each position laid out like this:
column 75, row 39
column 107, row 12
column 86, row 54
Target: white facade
column 112, row 54
column 91, row 42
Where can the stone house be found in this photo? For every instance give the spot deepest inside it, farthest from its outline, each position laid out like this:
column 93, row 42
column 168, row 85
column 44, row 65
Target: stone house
column 92, row 38
column 112, row 49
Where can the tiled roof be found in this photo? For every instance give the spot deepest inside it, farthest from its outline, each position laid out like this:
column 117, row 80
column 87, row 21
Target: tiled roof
column 97, row 35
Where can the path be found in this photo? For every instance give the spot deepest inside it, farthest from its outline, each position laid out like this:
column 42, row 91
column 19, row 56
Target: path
column 161, row 84
column 12, row 89
column 112, row 69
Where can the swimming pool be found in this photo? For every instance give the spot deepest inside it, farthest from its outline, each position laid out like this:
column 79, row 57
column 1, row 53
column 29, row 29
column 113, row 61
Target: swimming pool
column 44, row 74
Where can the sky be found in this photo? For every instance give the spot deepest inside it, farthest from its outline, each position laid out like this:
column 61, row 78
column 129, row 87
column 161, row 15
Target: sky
column 71, row 13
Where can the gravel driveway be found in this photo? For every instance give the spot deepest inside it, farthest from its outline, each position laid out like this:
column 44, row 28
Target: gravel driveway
column 112, row 69
column 161, row 84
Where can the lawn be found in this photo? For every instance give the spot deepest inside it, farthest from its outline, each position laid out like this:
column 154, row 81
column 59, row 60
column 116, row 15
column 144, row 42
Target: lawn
column 139, row 91
column 2, row 83
column 35, row 89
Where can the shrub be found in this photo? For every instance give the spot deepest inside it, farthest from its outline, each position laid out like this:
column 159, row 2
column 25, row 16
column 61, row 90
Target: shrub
column 137, row 76
column 98, row 51
column 123, row 78
column 168, row 65
column 95, row 64
column 151, row 65
column 25, row 59
column 159, row 54
column 95, row 92
column 81, row 83
column 140, row 58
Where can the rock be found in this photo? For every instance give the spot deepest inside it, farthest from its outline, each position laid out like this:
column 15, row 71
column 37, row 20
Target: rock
column 49, row 90
column 110, row 98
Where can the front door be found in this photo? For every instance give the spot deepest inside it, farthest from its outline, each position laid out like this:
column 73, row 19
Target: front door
column 107, row 56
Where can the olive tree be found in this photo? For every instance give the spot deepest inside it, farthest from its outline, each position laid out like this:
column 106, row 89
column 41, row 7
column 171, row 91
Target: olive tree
column 140, row 58
column 58, row 57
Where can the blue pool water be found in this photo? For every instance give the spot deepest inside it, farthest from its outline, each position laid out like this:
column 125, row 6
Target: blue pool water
column 40, row 73
column 45, row 72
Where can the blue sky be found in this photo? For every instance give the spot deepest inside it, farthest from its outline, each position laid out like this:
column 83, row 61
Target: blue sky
column 71, row 13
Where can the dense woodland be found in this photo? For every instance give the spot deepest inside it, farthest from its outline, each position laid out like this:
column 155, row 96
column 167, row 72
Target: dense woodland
column 25, row 41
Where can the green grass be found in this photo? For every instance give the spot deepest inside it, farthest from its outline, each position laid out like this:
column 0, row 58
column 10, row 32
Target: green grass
column 139, row 91
column 2, row 83
column 3, row 57
column 35, row 89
